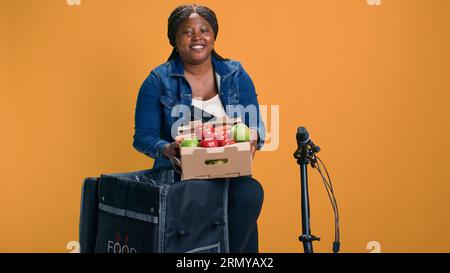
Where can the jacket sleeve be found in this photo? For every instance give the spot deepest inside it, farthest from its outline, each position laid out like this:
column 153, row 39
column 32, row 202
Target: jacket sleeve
column 147, row 131
column 248, row 97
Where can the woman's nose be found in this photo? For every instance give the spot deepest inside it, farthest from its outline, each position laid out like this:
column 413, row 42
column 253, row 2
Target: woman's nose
column 196, row 35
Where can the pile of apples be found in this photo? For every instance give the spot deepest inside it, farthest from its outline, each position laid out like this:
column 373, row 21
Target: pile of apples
column 209, row 136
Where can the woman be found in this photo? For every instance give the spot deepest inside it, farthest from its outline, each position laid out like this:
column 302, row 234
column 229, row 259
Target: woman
column 196, row 75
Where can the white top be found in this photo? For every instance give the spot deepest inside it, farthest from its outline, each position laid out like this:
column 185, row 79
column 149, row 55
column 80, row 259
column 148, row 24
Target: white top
column 213, row 106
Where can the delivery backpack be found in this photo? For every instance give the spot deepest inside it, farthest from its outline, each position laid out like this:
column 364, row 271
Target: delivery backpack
column 149, row 211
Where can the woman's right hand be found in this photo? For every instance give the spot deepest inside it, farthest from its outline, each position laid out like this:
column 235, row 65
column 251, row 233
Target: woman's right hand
column 172, row 152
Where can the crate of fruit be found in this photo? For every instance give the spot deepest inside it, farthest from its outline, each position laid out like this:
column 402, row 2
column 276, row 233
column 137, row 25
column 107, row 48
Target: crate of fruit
column 215, row 149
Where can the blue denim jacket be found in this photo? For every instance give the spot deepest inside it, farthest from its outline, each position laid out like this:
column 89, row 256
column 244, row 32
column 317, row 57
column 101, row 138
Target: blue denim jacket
column 166, row 87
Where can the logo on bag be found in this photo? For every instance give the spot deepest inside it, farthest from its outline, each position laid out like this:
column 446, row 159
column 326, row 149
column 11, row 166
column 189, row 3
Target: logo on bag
column 117, row 246
column 73, row 2
column 374, row 2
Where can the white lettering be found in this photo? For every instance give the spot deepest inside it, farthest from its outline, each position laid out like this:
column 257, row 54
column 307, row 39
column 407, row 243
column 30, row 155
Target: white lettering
column 374, row 2
column 73, row 2
column 193, row 263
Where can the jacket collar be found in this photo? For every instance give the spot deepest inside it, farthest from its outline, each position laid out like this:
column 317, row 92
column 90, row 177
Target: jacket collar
column 223, row 68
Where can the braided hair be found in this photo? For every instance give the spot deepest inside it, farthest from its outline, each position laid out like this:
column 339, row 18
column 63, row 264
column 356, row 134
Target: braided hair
column 180, row 14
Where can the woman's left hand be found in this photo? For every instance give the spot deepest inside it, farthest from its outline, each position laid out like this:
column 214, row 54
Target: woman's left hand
column 253, row 141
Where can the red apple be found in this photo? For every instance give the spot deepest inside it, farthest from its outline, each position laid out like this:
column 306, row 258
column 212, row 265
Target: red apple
column 209, row 143
column 226, row 142
column 208, row 131
column 222, row 133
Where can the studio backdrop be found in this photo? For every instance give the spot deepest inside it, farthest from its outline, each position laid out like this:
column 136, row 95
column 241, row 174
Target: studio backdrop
column 369, row 79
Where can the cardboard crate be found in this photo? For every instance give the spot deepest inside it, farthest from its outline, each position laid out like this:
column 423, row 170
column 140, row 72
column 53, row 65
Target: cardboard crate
column 194, row 160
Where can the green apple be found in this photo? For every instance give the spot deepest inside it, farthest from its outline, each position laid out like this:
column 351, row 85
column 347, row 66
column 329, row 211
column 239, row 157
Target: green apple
column 189, row 143
column 221, row 161
column 240, row 132
column 216, row 161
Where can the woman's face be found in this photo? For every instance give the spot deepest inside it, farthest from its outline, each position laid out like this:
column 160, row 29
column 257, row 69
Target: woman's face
column 195, row 39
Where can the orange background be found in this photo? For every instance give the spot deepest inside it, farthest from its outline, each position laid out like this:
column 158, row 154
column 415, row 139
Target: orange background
column 371, row 83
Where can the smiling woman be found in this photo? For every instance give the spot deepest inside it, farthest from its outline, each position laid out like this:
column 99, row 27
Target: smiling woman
column 195, row 74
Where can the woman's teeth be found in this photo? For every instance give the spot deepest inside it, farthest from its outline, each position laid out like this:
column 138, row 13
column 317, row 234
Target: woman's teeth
column 198, row 47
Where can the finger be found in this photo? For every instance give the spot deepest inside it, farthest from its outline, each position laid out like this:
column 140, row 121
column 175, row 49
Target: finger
column 176, row 165
column 253, row 148
column 177, row 169
column 177, row 151
column 253, row 134
column 179, row 139
column 174, row 146
column 177, row 161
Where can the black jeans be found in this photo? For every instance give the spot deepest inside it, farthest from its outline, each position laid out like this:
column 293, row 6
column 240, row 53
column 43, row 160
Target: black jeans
column 245, row 199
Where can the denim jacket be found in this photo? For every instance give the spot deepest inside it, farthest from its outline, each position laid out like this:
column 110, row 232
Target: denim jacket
column 166, row 87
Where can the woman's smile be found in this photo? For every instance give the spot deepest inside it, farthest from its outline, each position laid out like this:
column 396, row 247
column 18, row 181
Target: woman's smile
column 197, row 47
